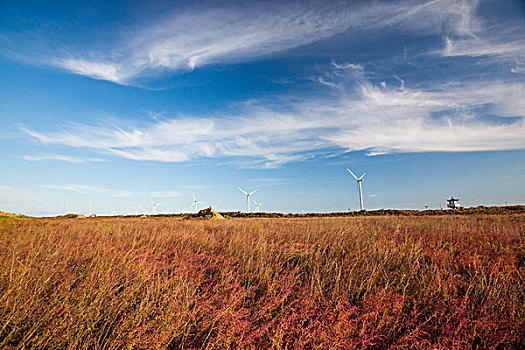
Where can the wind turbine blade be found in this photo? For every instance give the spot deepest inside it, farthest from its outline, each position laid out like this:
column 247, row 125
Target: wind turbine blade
column 350, row 171
column 243, row 191
column 252, row 192
column 152, row 201
column 194, row 199
column 361, row 178
column 254, row 202
column 198, row 202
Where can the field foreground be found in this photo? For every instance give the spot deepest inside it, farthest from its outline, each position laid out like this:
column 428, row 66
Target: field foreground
column 369, row 282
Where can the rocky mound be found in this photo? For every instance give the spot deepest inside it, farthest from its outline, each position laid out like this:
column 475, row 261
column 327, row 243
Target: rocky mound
column 210, row 213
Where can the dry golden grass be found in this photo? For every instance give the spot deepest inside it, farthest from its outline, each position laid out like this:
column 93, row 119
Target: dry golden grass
column 9, row 215
column 369, row 282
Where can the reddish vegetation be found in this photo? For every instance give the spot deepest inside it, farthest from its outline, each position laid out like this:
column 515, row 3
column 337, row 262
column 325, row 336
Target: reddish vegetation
column 369, row 282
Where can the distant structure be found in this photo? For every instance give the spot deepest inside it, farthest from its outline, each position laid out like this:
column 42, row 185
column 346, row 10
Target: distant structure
column 210, row 213
column 453, row 203
column 359, row 180
column 196, row 203
column 136, row 210
column 257, row 205
column 154, row 209
column 247, row 198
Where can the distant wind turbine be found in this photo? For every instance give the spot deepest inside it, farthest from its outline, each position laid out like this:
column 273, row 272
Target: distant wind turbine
column 89, row 208
column 195, row 203
column 154, row 209
column 247, row 198
column 257, row 205
column 136, row 210
column 359, row 180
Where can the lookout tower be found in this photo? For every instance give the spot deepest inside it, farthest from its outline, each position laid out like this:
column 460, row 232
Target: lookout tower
column 453, row 203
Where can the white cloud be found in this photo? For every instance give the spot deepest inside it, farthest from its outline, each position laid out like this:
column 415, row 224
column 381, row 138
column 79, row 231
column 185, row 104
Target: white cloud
column 202, row 35
column 327, row 83
column 477, row 37
column 487, row 44
column 91, row 190
column 165, row 194
column 61, row 158
column 270, row 180
column 95, row 70
column 347, row 65
column 381, row 120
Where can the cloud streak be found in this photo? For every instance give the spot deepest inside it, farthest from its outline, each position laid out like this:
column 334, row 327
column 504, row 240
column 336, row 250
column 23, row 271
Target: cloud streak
column 166, row 194
column 95, row 190
column 476, row 37
column 62, row 158
column 91, row 190
column 238, row 32
column 357, row 117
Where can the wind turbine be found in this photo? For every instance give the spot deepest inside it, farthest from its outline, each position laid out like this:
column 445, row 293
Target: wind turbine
column 195, row 202
column 359, row 180
column 247, row 198
column 89, row 208
column 257, row 205
column 136, row 210
column 154, row 209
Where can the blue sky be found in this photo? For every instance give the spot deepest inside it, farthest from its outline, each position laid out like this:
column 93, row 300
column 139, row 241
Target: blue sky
column 116, row 104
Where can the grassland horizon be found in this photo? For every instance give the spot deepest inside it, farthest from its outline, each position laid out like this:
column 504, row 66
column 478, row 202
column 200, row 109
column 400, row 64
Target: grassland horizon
column 424, row 282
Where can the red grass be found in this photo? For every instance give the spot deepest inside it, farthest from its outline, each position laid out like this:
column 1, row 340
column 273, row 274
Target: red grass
column 341, row 283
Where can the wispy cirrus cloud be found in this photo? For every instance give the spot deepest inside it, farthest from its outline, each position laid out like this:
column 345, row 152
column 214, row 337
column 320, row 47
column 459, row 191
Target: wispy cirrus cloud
column 62, row 158
column 267, row 182
column 95, row 190
column 379, row 119
column 165, row 194
column 478, row 37
column 237, row 32
column 492, row 45
column 91, row 190
column 93, row 69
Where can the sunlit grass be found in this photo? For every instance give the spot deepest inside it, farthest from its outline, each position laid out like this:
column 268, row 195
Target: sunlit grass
column 402, row 282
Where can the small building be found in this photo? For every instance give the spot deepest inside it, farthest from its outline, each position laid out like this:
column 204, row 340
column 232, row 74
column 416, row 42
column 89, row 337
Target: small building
column 453, row 203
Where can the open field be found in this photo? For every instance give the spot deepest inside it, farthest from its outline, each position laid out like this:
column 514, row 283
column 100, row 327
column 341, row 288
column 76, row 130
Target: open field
column 423, row 282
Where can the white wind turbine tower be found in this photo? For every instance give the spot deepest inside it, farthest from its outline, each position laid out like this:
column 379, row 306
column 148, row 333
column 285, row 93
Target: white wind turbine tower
column 247, row 198
column 154, row 209
column 359, row 180
column 195, row 202
column 257, row 205
column 89, row 208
